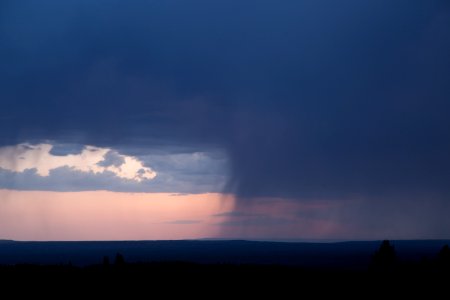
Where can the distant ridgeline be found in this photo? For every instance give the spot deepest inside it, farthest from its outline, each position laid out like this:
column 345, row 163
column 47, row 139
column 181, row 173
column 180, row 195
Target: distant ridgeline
column 341, row 255
column 227, row 266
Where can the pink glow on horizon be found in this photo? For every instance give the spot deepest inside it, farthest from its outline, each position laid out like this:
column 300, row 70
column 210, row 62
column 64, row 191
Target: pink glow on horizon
column 102, row 215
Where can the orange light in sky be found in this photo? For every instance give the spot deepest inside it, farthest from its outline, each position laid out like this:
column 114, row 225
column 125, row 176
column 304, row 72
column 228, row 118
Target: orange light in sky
column 102, row 215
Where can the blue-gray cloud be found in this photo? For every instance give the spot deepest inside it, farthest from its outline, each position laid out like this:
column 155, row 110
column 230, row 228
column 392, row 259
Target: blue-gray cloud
column 237, row 214
column 263, row 221
column 66, row 149
column 184, row 222
column 112, row 158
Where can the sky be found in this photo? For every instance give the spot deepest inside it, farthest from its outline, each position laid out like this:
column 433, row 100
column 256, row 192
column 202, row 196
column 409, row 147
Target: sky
column 172, row 119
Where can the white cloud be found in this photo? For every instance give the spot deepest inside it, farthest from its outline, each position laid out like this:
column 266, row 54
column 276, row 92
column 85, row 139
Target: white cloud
column 91, row 159
column 73, row 167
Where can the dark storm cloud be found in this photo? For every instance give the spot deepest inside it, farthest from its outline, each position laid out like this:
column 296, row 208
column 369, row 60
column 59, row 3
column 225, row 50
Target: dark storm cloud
column 310, row 99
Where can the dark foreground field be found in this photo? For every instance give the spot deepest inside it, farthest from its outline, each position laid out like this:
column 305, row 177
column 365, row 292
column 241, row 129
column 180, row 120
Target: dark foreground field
column 214, row 268
column 341, row 255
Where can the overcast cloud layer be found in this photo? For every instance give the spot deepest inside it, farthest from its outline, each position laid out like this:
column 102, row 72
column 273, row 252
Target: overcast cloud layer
column 308, row 99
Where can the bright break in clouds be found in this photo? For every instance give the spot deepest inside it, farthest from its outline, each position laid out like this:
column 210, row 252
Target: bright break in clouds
column 90, row 159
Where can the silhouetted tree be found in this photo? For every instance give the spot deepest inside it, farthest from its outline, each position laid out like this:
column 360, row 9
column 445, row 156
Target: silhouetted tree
column 385, row 258
column 120, row 261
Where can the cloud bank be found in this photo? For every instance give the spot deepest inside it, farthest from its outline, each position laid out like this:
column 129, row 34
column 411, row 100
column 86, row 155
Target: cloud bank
column 91, row 159
column 62, row 167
